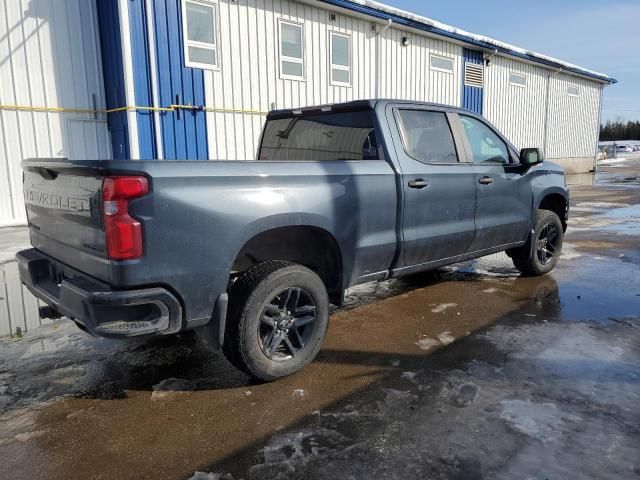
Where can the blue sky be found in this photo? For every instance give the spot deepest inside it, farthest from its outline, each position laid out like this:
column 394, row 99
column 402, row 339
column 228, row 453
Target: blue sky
column 603, row 35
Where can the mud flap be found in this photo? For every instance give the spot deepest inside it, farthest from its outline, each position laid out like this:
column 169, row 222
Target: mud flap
column 212, row 334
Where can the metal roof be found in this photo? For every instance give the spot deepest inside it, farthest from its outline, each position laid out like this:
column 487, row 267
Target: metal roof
column 411, row 20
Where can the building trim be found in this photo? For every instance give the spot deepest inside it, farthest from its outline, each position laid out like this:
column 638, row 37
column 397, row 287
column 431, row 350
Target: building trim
column 153, row 75
column 127, row 61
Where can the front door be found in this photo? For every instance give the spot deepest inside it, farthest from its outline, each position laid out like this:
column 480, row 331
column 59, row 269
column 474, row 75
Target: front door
column 439, row 191
column 504, row 195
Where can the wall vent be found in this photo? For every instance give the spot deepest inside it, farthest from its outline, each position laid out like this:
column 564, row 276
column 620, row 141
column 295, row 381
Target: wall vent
column 473, row 74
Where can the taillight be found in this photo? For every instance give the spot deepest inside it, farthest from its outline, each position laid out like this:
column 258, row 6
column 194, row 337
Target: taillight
column 123, row 233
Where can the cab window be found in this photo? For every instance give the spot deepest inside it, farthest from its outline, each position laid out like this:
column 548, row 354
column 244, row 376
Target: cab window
column 427, row 137
column 325, row 136
column 486, row 146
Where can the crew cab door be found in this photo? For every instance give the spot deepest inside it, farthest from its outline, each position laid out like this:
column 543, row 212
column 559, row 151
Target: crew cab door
column 438, row 187
column 504, row 195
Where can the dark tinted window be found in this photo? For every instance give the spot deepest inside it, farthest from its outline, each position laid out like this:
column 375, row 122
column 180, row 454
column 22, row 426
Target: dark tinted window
column 325, row 136
column 427, row 136
column 486, row 146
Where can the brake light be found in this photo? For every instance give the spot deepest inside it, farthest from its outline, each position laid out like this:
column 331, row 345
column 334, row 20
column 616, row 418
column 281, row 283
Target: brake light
column 123, row 232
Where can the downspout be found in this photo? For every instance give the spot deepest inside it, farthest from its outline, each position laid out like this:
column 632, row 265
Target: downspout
column 546, row 111
column 595, row 160
column 151, row 40
column 378, row 55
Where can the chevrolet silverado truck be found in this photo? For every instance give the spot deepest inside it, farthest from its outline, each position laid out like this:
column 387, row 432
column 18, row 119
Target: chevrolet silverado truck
column 252, row 252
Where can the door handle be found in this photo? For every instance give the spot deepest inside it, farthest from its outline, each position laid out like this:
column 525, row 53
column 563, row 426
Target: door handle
column 418, row 183
column 485, row 180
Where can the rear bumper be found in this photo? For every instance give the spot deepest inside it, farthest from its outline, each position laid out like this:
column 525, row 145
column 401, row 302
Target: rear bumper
column 95, row 305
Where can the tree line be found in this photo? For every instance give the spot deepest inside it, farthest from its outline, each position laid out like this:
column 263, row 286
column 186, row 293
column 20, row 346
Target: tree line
column 619, row 130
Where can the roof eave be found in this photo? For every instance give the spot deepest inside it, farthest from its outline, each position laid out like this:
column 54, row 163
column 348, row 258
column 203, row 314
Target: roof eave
column 407, row 22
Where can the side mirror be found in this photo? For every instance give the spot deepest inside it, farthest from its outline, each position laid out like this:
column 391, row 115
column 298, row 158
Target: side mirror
column 531, row 156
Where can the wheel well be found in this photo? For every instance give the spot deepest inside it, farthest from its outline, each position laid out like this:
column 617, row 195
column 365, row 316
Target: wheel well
column 557, row 204
column 312, row 247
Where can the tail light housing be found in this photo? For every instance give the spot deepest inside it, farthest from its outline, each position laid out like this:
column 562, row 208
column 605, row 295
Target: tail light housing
column 123, row 233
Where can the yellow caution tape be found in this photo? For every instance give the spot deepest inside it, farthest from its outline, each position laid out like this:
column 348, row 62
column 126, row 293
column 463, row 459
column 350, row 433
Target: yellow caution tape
column 170, row 108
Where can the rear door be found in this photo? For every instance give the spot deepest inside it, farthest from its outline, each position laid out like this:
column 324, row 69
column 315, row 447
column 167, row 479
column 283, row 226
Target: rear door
column 504, row 196
column 438, row 187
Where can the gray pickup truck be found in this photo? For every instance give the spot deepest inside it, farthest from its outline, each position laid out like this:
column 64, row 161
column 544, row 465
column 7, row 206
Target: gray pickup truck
column 251, row 253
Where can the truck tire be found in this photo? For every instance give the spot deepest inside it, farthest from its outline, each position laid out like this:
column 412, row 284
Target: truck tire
column 542, row 257
column 278, row 318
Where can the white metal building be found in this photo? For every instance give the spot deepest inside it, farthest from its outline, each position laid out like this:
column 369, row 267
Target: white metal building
column 115, row 78
column 146, row 79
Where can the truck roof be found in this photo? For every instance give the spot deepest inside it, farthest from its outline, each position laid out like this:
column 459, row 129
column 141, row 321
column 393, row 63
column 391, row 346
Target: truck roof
column 355, row 105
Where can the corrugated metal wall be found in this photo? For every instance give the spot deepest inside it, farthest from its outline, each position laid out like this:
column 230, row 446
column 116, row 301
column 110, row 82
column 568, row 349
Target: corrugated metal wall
column 248, row 78
column 232, row 87
column 49, row 57
column 406, row 74
column 573, row 121
column 519, row 112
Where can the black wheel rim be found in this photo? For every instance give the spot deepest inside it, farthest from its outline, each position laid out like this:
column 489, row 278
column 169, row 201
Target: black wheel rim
column 547, row 243
column 286, row 324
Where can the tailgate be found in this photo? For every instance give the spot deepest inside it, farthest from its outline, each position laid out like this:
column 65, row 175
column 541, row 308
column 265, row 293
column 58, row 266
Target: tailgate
column 63, row 202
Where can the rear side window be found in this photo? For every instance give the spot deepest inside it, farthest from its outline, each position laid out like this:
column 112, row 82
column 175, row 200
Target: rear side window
column 427, row 136
column 324, row 136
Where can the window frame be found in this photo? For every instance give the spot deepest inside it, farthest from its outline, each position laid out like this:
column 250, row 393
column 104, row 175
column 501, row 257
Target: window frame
column 517, row 74
column 186, row 43
column 403, row 137
column 283, row 58
column 438, row 69
column 347, row 69
column 577, row 89
column 507, row 145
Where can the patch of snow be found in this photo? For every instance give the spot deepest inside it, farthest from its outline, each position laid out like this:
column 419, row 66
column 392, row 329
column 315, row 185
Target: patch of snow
column 26, row 436
column 427, row 343
column 446, row 338
column 302, row 446
column 411, row 376
column 601, row 205
column 398, row 398
column 610, row 161
column 490, row 290
column 569, row 252
column 538, row 420
column 443, row 306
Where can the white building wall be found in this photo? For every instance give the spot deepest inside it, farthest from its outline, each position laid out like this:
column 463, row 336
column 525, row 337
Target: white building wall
column 405, row 73
column 522, row 114
column 49, row 57
column 573, row 121
column 248, row 81
column 518, row 112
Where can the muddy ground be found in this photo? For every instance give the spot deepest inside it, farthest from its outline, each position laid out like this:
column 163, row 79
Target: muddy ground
column 468, row 372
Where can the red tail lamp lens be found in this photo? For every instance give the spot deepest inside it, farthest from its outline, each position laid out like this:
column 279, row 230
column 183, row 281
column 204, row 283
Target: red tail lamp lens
column 123, row 232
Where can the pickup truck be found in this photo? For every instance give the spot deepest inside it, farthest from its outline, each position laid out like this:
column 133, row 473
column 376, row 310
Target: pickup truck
column 251, row 253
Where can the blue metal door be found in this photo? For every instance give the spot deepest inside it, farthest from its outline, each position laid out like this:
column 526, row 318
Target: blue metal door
column 472, row 80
